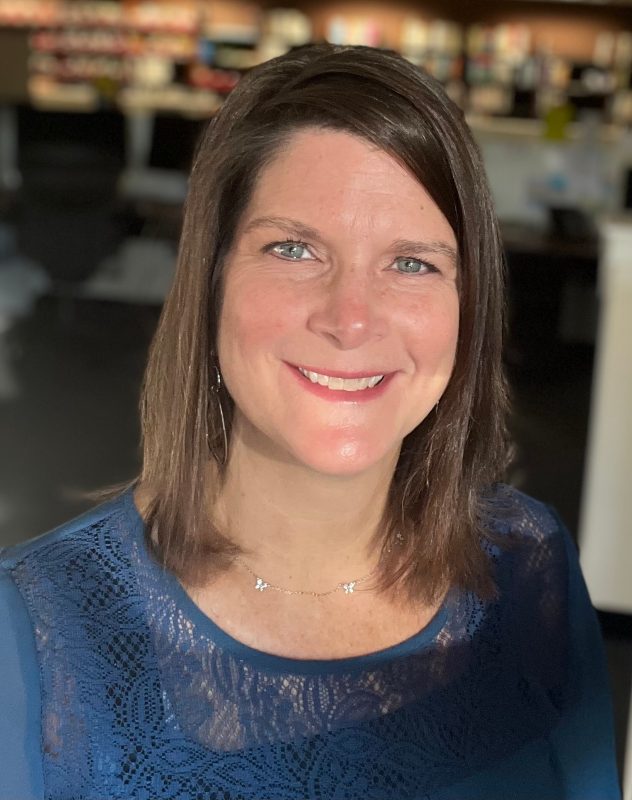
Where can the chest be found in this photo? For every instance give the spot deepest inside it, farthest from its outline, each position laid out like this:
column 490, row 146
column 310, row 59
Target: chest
column 163, row 711
column 305, row 627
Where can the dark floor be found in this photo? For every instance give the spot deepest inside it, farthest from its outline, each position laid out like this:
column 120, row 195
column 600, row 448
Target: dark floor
column 72, row 425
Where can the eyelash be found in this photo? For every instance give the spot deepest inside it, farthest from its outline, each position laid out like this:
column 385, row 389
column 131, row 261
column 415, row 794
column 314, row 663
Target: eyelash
column 269, row 247
column 430, row 266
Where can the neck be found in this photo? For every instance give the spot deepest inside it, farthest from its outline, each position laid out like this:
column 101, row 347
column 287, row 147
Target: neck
column 299, row 528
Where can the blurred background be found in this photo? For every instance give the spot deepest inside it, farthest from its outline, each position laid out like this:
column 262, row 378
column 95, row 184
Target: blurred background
column 101, row 104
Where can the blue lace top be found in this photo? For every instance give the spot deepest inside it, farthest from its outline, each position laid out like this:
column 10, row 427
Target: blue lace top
column 113, row 684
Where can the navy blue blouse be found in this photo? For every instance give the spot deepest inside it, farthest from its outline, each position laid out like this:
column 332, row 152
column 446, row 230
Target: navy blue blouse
column 113, row 684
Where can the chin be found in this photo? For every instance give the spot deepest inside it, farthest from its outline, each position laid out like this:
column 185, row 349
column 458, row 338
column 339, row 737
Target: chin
column 343, row 457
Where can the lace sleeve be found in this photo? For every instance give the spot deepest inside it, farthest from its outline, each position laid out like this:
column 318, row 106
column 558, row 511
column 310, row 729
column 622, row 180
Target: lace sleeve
column 20, row 755
column 583, row 741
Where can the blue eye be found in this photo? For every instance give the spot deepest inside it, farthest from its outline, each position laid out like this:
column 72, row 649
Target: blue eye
column 412, row 266
column 293, row 250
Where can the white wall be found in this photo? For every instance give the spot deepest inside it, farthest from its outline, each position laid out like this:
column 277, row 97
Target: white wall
column 606, row 518
column 518, row 159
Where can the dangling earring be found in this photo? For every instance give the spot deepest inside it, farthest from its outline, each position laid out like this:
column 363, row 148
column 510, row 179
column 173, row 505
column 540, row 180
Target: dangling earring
column 215, row 389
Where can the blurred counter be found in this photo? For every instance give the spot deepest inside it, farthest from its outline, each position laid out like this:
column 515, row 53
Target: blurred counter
column 538, row 240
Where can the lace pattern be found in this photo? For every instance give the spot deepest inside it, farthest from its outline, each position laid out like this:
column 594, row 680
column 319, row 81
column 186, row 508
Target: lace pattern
column 140, row 700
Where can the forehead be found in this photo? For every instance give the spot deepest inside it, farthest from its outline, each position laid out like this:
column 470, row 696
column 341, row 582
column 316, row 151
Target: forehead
column 342, row 181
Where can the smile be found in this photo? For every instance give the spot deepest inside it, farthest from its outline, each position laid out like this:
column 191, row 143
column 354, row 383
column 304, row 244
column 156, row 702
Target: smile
column 342, row 384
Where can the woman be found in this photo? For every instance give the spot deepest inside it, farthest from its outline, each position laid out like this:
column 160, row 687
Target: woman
column 316, row 588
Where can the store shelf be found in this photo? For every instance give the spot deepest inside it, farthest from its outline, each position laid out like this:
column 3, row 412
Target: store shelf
column 189, row 103
column 48, row 96
column 492, row 68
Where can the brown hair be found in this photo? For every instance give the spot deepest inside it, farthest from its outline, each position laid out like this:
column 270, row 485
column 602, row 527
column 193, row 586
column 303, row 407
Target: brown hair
column 437, row 498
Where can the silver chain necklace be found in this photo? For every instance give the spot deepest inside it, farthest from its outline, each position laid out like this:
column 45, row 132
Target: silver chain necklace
column 262, row 585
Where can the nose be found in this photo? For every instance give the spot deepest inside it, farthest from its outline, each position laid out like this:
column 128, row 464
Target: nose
column 348, row 311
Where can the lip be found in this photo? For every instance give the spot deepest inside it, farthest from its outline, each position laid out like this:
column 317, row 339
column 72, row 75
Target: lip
column 339, row 395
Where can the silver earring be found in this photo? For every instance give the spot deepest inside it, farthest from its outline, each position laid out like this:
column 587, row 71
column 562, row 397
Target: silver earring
column 215, row 389
column 399, row 541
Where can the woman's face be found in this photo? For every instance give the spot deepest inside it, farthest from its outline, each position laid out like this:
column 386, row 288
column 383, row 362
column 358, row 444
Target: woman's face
column 343, row 269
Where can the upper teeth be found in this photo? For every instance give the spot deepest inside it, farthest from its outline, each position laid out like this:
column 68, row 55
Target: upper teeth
column 346, row 384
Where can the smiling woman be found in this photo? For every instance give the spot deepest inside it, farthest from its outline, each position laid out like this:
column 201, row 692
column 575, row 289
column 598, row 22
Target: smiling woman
column 316, row 588
column 351, row 233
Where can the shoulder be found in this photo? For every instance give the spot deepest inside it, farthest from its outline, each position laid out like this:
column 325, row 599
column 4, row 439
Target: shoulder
column 516, row 515
column 53, row 572
column 71, row 578
column 20, row 720
column 51, row 587
column 536, row 566
column 522, row 529
column 114, row 518
column 534, row 554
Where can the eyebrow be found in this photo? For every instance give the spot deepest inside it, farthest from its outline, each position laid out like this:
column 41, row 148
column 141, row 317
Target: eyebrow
column 290, row 226
column 432, row 246
column 302, row 231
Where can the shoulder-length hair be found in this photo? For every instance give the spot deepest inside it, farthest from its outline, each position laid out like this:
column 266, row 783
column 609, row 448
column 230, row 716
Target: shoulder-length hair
column 437, row 497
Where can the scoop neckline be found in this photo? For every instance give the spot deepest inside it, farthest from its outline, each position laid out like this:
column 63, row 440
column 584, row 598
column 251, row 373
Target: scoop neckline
column 271, row 662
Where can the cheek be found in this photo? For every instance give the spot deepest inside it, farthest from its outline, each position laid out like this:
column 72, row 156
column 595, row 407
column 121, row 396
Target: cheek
column 432, row 328
column 254, row 316
column 448, row 325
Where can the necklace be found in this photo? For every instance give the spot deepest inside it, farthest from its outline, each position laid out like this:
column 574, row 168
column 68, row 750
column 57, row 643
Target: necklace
column 262, row 585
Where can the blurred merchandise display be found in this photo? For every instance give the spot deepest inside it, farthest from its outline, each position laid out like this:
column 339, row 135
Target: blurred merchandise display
column 499, row 67
column 220, row 81
column 436, row 45
column 357, row 29
column 235, row 22
column 187, row 55
column 102, row 42
column 28, row 13
column 282, row 29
